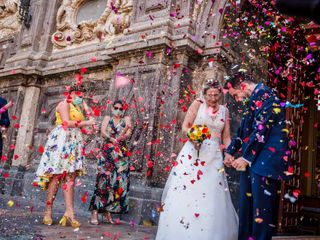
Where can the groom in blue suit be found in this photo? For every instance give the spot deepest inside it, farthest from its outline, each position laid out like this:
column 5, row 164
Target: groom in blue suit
column 262, row 143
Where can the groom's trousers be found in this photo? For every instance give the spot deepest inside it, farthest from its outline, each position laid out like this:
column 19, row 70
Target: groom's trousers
column 259, row 201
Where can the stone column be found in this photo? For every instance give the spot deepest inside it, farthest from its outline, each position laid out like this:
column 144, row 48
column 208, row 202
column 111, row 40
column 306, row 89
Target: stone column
column 27, row 121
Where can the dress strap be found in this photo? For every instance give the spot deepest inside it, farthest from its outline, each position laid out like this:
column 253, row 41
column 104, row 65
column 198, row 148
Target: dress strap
column 74, row 107
column 115, row 127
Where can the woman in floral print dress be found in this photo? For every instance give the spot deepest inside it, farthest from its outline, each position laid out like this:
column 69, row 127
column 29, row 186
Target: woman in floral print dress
column 112, row 182
column 63, row 156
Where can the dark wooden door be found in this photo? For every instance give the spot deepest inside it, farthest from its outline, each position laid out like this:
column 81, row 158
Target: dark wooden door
column 288, row 208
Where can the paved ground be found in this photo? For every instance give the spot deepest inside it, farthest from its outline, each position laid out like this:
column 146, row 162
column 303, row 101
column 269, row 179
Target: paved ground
column 21, row 219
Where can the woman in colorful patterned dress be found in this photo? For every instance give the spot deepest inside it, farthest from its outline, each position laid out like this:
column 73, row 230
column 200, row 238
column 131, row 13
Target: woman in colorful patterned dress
column 112, row 182
column 63, row 157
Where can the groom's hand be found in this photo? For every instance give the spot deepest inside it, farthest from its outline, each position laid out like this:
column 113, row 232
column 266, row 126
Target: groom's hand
column 228, row 159
column 240, row 164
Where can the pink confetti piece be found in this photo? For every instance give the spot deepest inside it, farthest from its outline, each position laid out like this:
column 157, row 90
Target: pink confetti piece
column 121, row 81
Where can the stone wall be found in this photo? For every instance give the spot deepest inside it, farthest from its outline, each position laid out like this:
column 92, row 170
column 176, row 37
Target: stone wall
column 157, row 44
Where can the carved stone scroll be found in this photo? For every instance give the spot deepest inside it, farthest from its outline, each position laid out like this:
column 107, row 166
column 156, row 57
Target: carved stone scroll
column 114, row 19
column 198, row 8
column 9, row 18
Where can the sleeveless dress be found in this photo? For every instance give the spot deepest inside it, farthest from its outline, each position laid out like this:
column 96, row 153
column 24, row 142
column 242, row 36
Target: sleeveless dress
column 112, row 181
column 196, row 199
column 63, row 152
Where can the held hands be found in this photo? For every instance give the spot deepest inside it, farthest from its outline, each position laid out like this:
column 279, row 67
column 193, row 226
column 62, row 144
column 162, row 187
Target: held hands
column 228, row 159
column 240, row 164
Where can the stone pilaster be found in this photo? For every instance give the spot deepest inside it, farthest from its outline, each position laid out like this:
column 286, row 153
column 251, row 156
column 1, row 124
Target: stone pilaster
column 25, row 132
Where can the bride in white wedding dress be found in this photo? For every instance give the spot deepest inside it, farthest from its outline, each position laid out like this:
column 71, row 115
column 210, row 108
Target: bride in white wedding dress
column 196, row 198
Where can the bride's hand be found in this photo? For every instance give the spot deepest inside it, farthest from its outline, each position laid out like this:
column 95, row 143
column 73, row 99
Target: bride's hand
column 228, row 159
column 196, row 145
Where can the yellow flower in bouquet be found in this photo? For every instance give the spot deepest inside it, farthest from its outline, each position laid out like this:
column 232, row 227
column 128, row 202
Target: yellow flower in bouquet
column 199, row 133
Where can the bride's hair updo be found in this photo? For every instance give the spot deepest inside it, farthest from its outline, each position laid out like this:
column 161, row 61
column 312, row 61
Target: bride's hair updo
column 211, row 83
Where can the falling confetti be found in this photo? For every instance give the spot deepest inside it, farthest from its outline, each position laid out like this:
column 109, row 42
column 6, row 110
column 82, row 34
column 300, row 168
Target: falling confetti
column 121, row 81
column 10, row 203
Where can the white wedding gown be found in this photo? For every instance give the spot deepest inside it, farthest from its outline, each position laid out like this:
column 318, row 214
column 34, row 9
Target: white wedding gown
column 197, row 202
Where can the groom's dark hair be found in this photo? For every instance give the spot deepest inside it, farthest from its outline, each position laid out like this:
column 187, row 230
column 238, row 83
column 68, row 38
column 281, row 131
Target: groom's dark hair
column 237, row 79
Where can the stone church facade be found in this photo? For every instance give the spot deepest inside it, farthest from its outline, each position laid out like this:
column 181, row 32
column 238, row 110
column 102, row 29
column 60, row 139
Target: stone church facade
column 157, row 44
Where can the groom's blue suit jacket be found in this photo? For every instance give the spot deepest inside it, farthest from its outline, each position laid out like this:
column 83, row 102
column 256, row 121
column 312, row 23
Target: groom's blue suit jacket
column 262, row 136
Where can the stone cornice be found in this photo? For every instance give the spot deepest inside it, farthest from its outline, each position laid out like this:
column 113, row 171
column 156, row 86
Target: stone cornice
column 150, row 35
column 13, row 73
column 61, row 62
column 22, row 79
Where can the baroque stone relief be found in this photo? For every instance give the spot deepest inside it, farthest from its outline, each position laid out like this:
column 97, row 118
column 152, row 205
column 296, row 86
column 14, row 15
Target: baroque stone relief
column 73, row 28
column 198, row 9
column 9, row 18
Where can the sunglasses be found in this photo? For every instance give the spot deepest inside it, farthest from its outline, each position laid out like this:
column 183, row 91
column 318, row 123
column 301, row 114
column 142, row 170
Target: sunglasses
column 117, row 108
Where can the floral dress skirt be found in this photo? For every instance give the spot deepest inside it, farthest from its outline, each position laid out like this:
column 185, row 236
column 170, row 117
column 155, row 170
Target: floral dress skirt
column 112, row 181
column 63, row 154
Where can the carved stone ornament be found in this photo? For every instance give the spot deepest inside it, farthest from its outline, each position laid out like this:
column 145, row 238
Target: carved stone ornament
column 114, row 19
column 198, row 8
column 9, row 18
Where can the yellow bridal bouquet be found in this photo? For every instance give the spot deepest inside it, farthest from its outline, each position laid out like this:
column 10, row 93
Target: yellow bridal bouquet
column 197, row 134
